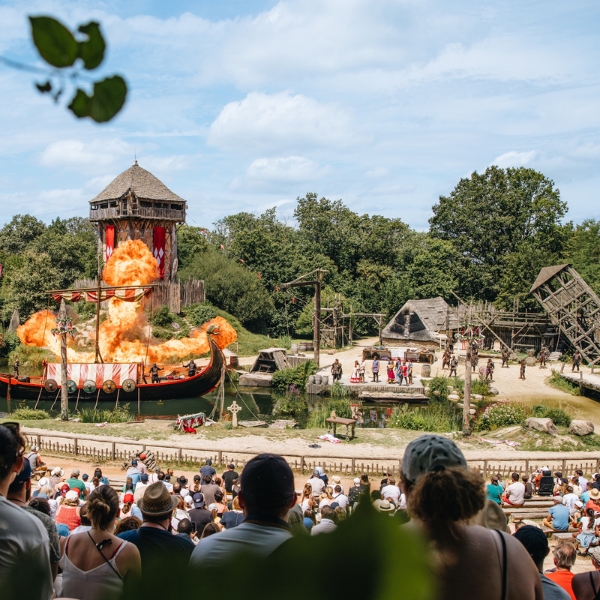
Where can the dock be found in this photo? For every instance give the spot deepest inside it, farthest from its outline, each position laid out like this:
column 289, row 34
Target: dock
column 584, row 380
column 355, row 389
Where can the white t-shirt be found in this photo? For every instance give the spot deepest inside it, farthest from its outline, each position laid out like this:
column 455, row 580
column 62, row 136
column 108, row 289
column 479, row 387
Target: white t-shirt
column 342, row 500
column 24, row 552
column 261, row 540
column 516, row 492
column 569, row 500
column 391, row 491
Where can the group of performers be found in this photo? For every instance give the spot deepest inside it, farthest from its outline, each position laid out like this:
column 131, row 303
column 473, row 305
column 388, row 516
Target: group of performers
column 154, row 369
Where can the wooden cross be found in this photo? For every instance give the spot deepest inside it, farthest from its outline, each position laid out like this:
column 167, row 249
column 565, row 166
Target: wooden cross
column 234, row 409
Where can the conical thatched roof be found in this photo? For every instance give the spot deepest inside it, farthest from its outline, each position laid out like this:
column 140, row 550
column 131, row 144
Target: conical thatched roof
column 141, row 182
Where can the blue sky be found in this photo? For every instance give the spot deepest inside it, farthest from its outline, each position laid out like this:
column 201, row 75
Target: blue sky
column 245, row 105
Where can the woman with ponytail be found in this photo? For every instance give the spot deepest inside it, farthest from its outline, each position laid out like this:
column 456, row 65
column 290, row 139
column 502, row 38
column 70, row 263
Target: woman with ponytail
column 442, row 497
column 96, row 563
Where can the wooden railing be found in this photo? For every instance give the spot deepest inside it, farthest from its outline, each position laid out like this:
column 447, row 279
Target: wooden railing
column 117, row 450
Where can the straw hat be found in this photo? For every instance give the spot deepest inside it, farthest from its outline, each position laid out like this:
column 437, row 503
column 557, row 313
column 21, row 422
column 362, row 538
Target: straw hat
column 157, row 501
column 595, row 493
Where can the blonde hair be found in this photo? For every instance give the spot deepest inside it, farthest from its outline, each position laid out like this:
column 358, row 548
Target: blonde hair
column 307, row 491
column 235, row 504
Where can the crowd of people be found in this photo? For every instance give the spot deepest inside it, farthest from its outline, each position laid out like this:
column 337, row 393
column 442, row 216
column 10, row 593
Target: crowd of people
column 75, row 536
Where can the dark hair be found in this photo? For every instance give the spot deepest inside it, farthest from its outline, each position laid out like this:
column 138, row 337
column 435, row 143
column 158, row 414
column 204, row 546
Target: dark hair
column 128, row 524
column 525, row 478
column 98, row 473
column 515, row 476
column 161, row 476
column 184, row 526
column 364, row 479
column 338, row 488
column 443, row 498
column 340, row 514
column 84, row 515
column 375, row 495
column 535, row 542
column 218, row 495
column 207, row 479
column 176, row 488
column 210, row 529
column 309, row 514
column 96, row 482
column 11, row 444
column 196, row 477
column 42, row 505
column 328, row 513
column 103, row 506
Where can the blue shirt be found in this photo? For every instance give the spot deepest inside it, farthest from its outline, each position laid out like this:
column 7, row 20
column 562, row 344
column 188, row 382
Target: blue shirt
column 375, row 367
column 494, row 493
column 585, row 497
column 560, row 517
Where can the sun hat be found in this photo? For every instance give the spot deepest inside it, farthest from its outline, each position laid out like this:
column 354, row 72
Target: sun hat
column 75, row 472
column 383, row 506
column 72, row 495
column 198, row 500
column 128, row 498
column 182, row 480
column 57, row 472
column 430, row 453
column 336, row 479
column 43, row 481
column 188, row 500
column 213, row 506
column 595, row 493
column 157, row 501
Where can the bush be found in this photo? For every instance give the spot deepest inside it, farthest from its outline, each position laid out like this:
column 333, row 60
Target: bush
column 163, row 321
column 162, row 317
column 501, row 415
column 120, row 414
column 297, row 376
column 557, row 381
column 480, row 387
column 291, row 404
column 322, row 411
column 9, row 343
column 438, row 388
column 198, row 314
column 558, row 416
column 29, row 414
column 339, row 391
column 436, row 417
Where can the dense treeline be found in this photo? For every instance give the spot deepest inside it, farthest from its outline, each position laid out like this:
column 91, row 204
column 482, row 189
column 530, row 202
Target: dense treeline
column 487, row 240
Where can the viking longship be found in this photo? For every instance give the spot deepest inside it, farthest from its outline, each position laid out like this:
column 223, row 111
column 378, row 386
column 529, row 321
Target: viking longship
column 115, row 382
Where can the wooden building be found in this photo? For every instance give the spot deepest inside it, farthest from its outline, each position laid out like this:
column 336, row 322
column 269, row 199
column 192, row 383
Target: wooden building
column 138, row 206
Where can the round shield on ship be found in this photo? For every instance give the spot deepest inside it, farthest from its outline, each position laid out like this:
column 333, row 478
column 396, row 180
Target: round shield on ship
column 50, row 385
column 109, row 386
column 71, row 386
column 128, row 385
column 89, row 386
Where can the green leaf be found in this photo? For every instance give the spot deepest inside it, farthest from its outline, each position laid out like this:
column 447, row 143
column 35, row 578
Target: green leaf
column 92, row 50
column 54, row 41
column 106, row 101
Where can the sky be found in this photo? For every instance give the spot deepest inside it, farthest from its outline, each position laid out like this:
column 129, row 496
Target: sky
column 246, row 105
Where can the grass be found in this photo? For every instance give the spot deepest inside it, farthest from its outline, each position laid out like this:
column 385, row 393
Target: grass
column 120, row 414
column 437, row 418
column 559, row 383
column 322, row 411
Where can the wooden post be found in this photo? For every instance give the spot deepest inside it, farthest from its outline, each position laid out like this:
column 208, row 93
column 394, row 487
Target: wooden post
column 112, row 453
column 467, row 394
column 75, row 449
column 353, row 466
column 317, row 319
column 64, row 390
column 220, row 457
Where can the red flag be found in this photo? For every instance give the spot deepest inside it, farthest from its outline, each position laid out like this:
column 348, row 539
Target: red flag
column 109, row 240
column 159, row 249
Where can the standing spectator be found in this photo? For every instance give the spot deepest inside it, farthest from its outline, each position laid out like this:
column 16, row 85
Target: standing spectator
column 24, row 556
column 229, row 476
column 266, row 496
column 75, row 483
column 536, row 544
column 154, row 539
column 586, row 585
column 494, row 490
column 207, row 469
column 336, row 370
column 199, row 514
column 564, row 558
column 514, row 495
column 19, row 492
column 453, row 366
column 327, row 524
column 522, row 365
column 96, row 563
column 361, row 371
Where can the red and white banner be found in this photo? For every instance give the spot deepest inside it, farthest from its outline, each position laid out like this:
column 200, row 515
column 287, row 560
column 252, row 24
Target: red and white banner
column 109, row 240
column 126, row 294
column 159, row 249
column 81, row 372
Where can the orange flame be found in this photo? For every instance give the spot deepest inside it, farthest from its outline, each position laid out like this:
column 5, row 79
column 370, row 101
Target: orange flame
column 124, row 334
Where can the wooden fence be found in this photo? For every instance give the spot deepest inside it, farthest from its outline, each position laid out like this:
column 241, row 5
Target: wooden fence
column 113, row 450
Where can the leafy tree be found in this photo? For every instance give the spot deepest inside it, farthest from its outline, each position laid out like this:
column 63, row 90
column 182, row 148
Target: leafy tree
column 20, row 232
column 190, row 241
column 583, row 252
column 489, row 216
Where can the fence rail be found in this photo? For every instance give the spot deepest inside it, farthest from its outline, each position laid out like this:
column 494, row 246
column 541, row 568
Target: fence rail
column 105, row 450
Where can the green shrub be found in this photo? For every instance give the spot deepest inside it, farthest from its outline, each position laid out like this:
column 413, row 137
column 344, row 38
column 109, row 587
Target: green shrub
column 558, row 416
column 297, row 376
column 436, row 417
column 29, row 414
column 558, row 382
column 198, row 314
column 162, row 317
column 501, row 415
column 31, row 356
column 291, row 404
column 322, row 411
column 438, row 388
column 9, row 343
column 458, row 384
column 480, row 387
column 339, row 391
column 120, row 414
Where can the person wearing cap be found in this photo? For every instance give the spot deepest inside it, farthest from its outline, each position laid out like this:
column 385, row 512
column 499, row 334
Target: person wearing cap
column 25, row 570
column 536, row 543
column 432, row 463
column 317, row 484
column 558, row 516
column 327, row 522
column 19, row 493
column 266, row 495
column 229, row 476
column 134, row 472
column 207, row 469
column 75, row 483
column 200, row 515
column 586, row 585
column 140, row 488
column 154, row 538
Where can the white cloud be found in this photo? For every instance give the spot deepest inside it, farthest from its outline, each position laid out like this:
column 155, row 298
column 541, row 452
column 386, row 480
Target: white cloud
column 281, row 120
column 514, row 159
column 377, row 173
column 289, row 168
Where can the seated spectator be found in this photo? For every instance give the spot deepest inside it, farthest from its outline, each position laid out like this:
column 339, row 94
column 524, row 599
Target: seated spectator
column 195, row 489
column 220, row 502
column 209, row 489
column 186, row 531
column 558, row 516
column 75, row 483
column 564, row 558
column 200, row 515
column 336, row 480
column 586, row 586
column 514, row 495
column 266, row 495
column 24, row 549
column 234, row 517
column 326, row 498
column 140, row 488
column 340, row 515
column 391, row 491
column 98, row 570
column 327, row 523
column 210, row 529
column 536, row 544
column 586, row 535
column 317, row 485
column 494, row 490
column 341, row 498
column 86, row 524
column 307, row 501
column 594, row 501
column 128, row 524
column 528, row 487
column 570, row 498
column 354, row 492
column 434, row 467
column 68, row 511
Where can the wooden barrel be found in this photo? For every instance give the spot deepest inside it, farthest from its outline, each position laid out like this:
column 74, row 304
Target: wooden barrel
column 309, row 346
column 302, row 347
column 294, row 349
column 426, row 371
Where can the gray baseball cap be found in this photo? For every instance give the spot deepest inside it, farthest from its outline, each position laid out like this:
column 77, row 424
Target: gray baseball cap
column 429, row 452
